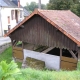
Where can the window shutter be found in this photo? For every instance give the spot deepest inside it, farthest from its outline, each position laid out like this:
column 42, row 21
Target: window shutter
column 12, row 14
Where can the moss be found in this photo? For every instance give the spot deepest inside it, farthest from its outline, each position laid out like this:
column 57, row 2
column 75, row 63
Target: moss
column 34, row 63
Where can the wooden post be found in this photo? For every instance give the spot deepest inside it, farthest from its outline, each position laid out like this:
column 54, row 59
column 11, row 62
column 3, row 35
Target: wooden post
column 12, row 47
column 23, row 49
column 78, row 53
column 60, row 56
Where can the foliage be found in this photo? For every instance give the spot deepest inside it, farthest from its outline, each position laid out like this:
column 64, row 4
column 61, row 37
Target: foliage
column 8, row 71
column 73, row 5
column 34, row 5
column 59, row 4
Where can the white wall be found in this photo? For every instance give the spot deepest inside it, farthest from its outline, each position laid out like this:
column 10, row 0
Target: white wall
column 5, row 12
column 51, row 61
column 0, row 23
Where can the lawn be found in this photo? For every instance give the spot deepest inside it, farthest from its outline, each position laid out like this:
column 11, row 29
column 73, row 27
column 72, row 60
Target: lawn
column 32, row 74
column 7, row 56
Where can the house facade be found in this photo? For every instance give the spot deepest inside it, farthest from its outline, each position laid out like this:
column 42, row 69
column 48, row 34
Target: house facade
column 11, row 13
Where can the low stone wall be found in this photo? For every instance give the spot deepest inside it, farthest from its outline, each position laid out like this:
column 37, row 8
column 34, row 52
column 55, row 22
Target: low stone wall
column 51, row 61
column 4, row 46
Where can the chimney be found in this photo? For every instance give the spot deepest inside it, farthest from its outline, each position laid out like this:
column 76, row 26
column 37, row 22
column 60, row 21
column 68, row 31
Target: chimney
column 18, row 3
column 39, row 4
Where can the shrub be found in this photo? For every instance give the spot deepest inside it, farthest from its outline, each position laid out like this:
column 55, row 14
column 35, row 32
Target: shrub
column 8, row 71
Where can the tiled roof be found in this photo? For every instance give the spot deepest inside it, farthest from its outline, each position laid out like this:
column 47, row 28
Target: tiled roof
column 2, row 3
column 64, row 20
column 26, row 13
column 7, row 3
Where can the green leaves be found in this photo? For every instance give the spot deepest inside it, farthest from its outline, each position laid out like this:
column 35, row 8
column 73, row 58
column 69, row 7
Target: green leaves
column 33, row 5
column 8, row 71
column 73, row 5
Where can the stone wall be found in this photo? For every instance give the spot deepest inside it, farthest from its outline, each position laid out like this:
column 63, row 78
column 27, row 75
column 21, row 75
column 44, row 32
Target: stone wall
column 51, row 61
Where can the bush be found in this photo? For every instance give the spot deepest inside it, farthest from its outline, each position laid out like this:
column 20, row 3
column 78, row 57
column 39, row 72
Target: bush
column 8, row 71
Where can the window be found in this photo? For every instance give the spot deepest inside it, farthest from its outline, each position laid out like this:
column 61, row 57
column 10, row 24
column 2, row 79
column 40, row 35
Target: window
column 9, row 27
column 20, row 13
column 8, row 19
column 12, row 14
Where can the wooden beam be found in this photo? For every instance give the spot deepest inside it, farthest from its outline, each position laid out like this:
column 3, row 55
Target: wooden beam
column 14, row 43
column 74, row 56
column 47, row 50
column 78, row 53
column 60, row 56
column 60, row 52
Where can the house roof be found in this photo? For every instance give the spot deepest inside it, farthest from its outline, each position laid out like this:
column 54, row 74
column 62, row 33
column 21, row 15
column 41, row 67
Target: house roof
column 26, row 13
column 64, row 20
column 7, row 3
column 2, row 3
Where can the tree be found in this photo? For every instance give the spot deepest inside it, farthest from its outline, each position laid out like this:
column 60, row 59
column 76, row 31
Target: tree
column 78, row 9
column 34, row 5
column 59, row 4
column 72, row 5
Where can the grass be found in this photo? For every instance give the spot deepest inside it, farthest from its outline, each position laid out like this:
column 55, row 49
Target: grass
column 19, row 64
column 32, row 74
column 6, row 55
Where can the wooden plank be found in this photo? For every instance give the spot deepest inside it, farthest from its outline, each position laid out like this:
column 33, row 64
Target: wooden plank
column 15, row 51
column 74, row 56
column 68, row 66
column 68, row 59
column 47, row 50
column 18, row 54
column 17, row 48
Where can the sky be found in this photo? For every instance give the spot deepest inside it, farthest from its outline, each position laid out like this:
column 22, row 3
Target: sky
column 23, row 2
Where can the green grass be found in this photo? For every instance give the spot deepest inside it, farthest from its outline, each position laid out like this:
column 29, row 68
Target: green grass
column 32, row 74
column 19, row 64
column 6, row 55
